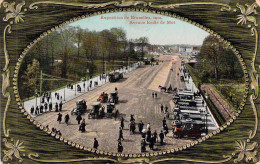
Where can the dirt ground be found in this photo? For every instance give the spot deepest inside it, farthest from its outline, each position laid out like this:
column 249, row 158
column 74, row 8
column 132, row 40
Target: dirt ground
column 135, row 97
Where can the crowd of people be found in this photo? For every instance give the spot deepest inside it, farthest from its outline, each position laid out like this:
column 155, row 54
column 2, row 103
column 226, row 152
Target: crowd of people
column 46, row 104
column 147, row 136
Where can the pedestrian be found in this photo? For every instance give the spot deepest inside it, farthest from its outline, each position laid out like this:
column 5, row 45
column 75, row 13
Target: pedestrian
column 50, row 107
column 140, row 126
column 55, row 94
column 45, row 107
column 161, row 135
column 41, row 109
column 37, row 110
column 84, row 85
column 165, row 130
column 78, row 118
column 155, row 136
column 95, row 145
column 43, row 99
column 153, row 95
column 61, row 97
column 166, row 109
column 143, row 144
column 67, row 117
column 120, row 147
column 151, row 144
column 148, row 135
column 162, row 108
column 148, row 126
column 59, row 117
column 60, row 106
column 58, row 96
column 56, row 107
column 82, row 126
column 132, row 118
column 32, row 110
column 120, row 134
column 48, row 99
column 122, row 123
column 164, row 121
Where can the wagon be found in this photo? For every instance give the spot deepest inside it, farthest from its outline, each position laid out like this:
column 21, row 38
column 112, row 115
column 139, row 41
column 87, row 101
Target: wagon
column 95, row 110
column 81, row 107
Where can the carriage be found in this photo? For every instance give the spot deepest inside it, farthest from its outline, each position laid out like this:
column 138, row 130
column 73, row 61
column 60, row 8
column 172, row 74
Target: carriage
column 103, row 97
column 81, row 107
column 113, row 97
column 94, row 112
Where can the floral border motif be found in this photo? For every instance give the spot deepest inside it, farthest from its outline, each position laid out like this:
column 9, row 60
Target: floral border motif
column 127, row 4
column 16, row 14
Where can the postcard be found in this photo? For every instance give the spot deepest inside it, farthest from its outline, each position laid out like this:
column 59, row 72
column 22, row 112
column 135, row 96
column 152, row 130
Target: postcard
column 130, row 81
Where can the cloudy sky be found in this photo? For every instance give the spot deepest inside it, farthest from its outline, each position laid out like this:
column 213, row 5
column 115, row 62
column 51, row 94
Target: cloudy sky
column 178, row 33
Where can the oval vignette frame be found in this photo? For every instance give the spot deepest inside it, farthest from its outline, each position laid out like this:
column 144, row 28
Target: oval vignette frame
column 131, row 155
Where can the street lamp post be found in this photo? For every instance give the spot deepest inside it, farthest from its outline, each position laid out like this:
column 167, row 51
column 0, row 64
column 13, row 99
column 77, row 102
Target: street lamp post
column 64, row 93
column 36, row 94
column 75, row 89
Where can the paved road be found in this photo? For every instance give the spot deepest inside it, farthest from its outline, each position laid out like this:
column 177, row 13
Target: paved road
column 134, row 98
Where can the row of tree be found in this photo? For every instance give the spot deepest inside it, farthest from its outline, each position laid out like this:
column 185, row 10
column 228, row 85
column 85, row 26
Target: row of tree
column 217, row 61
column 71, row 52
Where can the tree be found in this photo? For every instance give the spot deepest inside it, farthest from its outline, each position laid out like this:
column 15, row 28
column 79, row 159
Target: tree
column 78, row 36
column 31, row 76
column 213, row 50
column 66, row 36
column 143, row 41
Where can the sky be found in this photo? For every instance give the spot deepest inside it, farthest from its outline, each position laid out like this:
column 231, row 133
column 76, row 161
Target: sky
column 161, row 34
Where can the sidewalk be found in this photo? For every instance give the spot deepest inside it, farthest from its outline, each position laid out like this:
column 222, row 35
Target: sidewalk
column 69, row 94
column 211, row 122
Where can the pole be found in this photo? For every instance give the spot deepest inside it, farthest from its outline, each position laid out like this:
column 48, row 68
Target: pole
column 75, row 89
column 64, row 93
column 36, row 100
column 41, row 84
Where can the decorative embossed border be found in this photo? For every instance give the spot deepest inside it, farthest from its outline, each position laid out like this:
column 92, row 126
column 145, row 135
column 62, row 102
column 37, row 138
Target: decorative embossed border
column 17, row 15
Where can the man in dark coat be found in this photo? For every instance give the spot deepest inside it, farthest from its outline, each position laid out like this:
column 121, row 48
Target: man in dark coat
column 165, row 130
column 78, row 118
column 143, row 144
column 140, row 126
column 120, row 134
column 32, row 109
column 120, row 147
column 162, row 108
column 166, row 109
column 41, row 109
column 161, row 135
column 164, row 121
column 50, row 107
column 48, row 99
column 45, row 107
column 122, row 123
column 132, row 118
column 59, row 117
column 148, row 135
column 37, row 110
column 95, row 146
column 151, row 144
column 67, row 117
column 60, row 105
column 56, row 107
column 155, row 136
